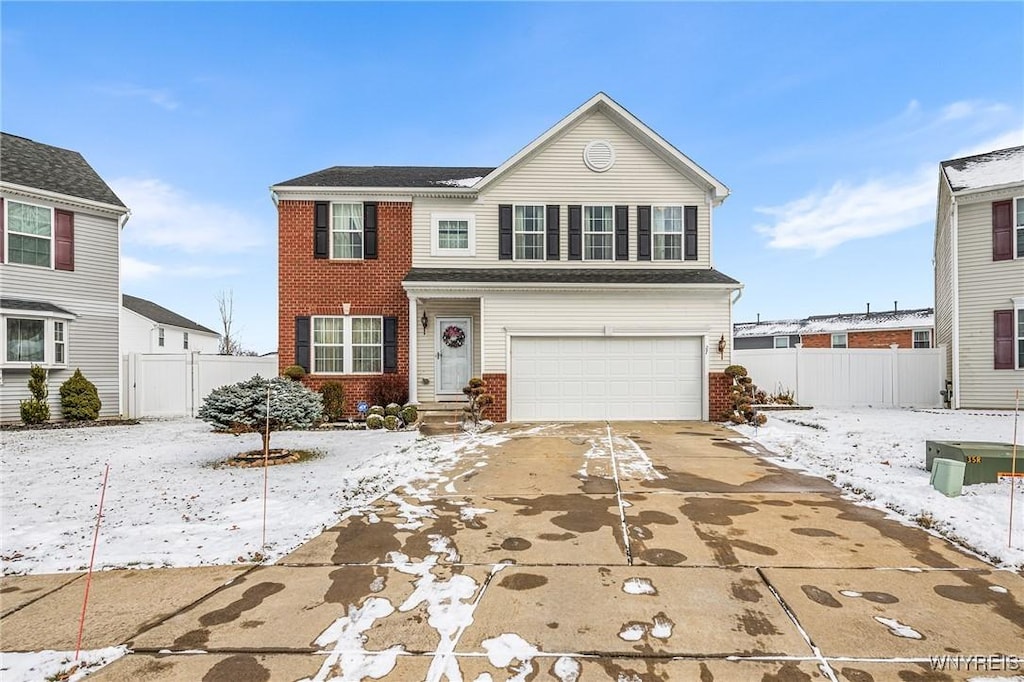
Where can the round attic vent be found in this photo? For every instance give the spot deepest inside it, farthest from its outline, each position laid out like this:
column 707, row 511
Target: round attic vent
column 599, row 155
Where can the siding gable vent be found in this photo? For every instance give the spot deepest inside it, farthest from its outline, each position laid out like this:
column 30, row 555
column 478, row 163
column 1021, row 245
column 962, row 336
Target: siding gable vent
column 599, row 155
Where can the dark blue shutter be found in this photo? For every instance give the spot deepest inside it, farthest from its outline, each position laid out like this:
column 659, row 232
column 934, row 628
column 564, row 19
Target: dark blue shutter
column 554, row 234
column 690, row 232
column 505, row 232
column 302, row 329
column 643, row 233
column 321, row 229
column 622, row 233
column 370, row 230
column 575, row 233
column 390, row 344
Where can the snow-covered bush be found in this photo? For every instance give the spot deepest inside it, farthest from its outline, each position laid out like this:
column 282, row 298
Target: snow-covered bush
column 294, row 372
column 242, row 407
column 393, row 409
column 35, row 410
column 375, row 421
column 409, row 414
column 79, row 400
column 392, row 423
column 378, row 410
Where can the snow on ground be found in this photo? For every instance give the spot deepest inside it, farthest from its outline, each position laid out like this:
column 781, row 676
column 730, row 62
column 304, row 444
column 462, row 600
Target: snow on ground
column 47, row 665
column 168, row 504
column 878, row 456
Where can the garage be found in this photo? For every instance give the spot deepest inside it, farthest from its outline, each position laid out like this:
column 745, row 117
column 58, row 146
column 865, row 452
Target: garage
column 583, row 378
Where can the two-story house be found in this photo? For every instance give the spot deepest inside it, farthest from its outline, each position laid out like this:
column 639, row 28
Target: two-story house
column 576, row 278
column 979, row 277
column 147, row 327
column 60, row 229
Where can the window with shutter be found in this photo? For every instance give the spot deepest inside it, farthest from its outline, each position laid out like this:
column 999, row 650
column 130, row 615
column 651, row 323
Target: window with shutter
column 29, row 234
column 1004, row 338
column 554, row 234
column 63, row 240
column 1018, row 226
column 1002, row 230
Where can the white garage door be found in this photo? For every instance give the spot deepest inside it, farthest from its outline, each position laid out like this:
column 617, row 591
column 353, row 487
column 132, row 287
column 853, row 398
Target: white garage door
column 591, row 378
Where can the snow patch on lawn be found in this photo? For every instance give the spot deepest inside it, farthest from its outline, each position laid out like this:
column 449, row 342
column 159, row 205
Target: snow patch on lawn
column 44, row 665
column 878, row 456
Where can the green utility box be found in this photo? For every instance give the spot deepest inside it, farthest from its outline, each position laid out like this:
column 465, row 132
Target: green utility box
column 984, row 461
column 948, row 476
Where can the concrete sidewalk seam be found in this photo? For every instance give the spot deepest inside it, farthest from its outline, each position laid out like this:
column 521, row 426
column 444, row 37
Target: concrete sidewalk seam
column 42, row 596
column 618, row 497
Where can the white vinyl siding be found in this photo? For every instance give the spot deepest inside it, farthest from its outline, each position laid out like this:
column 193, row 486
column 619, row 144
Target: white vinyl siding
column 91, row 293
column 346, row 231
column 984, row 287
column 528, row 233
column 426, row 342
column 348, row 345
column 944, row 277
column 29, row 234
column 598, row 232
column 667, row 233
column 556, row 175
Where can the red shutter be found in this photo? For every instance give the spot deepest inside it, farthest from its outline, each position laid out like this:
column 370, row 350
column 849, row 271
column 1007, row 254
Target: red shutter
column 1002, row 230
column 1004, row 337
column 64, row 240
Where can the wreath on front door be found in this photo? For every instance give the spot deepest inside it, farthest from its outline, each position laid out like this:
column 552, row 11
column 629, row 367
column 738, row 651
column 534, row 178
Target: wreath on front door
column 453, row 336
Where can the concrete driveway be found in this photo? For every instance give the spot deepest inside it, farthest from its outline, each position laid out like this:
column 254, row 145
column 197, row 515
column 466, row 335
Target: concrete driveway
column 623, row 551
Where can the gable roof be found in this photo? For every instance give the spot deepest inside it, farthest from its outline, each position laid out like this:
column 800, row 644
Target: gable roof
column 916, row 318
column 631, row 124
column 161, row 315
column 390, row 176
column 981, row 171
column 40, row 166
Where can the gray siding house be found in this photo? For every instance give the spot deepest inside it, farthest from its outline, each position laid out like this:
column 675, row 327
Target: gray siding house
column 979, row 276
column 59, row 273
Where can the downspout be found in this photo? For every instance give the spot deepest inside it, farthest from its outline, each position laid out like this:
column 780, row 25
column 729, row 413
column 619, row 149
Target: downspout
column 121, row 407
column 954, row 246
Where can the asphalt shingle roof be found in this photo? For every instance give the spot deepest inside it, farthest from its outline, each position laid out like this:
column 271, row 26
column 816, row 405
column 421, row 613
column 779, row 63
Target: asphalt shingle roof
column 992, row 169
column 160, row 314
column 570, row 275
column 389, row 176
column 32, row 306
column 41, row 166
column 822, row 324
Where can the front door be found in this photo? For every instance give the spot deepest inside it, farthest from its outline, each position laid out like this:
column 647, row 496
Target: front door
column 454, row 353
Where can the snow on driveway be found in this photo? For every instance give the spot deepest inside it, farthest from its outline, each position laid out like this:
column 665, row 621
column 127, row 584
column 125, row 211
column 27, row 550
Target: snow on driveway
column 168, row 505
column 878, row 456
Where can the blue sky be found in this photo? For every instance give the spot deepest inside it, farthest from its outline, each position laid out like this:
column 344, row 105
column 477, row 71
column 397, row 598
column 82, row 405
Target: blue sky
column 827, row 121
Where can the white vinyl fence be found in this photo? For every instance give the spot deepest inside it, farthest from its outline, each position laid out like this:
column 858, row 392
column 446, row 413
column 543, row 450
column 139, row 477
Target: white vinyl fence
column 175, row 385
column 850, row 377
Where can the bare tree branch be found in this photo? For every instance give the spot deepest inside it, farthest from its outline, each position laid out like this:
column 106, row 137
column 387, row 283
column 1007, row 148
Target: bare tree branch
column 229, row 345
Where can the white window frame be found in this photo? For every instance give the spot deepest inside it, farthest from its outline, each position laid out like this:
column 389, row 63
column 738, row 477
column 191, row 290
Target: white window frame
column 775, row 342
column 49, row 360
column 184, row 340
column 161, row 337
column 7, row 235
column 913, row 338
column 1018, row 226
column 543, row 231
column 655, row 231
column 60, row 340
column 1018, row 326
column 588, row 232
column 846, row 340
column 351, row 345
column 346, row 345
column 361, row 231
column 435, row 237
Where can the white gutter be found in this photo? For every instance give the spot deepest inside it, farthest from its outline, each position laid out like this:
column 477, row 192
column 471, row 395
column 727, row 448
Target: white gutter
column 274, row 197
column 63, row 198
column 954, row 239
column 564, row 286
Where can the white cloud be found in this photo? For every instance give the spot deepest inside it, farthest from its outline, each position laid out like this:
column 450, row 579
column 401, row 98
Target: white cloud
column 157, row 96
column 135, row 269
column 165, row 216
column 824, row 220
column 970, row 109
column 1012, row 138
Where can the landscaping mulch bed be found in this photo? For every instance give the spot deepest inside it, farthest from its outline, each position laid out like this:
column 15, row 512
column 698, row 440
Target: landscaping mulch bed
column 68, row 425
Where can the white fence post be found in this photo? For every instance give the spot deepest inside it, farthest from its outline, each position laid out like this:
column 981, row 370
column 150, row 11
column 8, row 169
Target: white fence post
column 799, row 358
column 894, row 360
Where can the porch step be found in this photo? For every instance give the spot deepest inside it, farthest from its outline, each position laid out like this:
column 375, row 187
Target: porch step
column 440, row 418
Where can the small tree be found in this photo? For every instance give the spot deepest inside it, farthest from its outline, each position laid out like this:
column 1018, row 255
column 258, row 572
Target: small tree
column 229, row 343
column 479, row 399
column 242, row 407
column 742, row 395
column 35, row 410
column 333, row 394
column 79, row 399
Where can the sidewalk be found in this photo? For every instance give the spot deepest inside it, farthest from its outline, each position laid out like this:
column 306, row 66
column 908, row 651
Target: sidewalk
column 573, row 552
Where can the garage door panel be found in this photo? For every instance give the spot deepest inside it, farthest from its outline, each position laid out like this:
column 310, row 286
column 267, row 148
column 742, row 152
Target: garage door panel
column 595, row 378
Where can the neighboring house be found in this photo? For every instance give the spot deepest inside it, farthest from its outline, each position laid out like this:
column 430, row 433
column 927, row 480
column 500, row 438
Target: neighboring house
column 576, row 278
column 979, row 276
column 903, row 328
column 60, row 229
column 150, row 328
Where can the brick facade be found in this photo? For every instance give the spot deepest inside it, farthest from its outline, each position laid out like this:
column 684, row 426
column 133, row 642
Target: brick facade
column 309, row 286
column 904, row 338
column 497, row 386
column 719, row 388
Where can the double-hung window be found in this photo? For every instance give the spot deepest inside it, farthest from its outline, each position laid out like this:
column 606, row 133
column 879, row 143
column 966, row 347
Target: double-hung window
column 667, row 232
column 34, row 341
column 346, row 230
column 29, row 234
column 922, row 338
column 348, row 345
column 1020, row 338
column 839, row 340
column 160, row 337
column 1018, row 226
column 184, row 340
column 598, row 232
column 528, row 232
